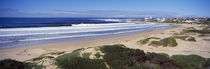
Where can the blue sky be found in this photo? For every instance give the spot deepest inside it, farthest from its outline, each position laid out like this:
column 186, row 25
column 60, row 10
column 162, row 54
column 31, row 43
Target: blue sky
column 104, row 8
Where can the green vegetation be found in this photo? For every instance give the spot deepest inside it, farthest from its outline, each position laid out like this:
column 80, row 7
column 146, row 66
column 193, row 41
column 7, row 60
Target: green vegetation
column 81, row 63
column 86, row 55
column 155, row 43
column 80, row 49
column 169, row 42
column 200, row 31
column 138, row 20
column 41, row 57
column 39, row 67
column 116, row 57
column 98, row 55
column 45, row 56
column 74, row 61
column 207, row 64
column 57, row 53
column 165, row 42
column 120, row 57
column 205, row 30
column 159, row 57
column 189, row 61
column 13, row 64
column 145, row 41
column 65, row 60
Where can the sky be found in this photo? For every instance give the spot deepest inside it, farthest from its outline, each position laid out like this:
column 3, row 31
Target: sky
column 104, row 8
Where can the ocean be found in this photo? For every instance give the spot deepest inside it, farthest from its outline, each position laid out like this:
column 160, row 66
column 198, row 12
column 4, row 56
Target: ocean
column 16, row 32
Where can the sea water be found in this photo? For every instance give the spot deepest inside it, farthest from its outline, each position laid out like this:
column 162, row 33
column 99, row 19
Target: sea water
column 16, row 32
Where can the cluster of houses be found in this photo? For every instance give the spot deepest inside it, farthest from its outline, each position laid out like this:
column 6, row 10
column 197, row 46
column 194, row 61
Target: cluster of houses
column 178, row 20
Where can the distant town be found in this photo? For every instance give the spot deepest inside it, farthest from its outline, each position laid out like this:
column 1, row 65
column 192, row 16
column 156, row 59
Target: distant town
column 174, row 20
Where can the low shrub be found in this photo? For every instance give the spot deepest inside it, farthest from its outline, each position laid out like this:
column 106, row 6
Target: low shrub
column 86, row 55
column 80, row 49
column 145, row 41
column 155, row 43
column 200, row 31
column 57, row 53
column 157, row 58
column 66, row 57
column 165, row 42
column 205, row 30
column 82, row 63
column 13, row 64
column 120, row 57
column 64, row 60
column 97, row 55
column 116, row 56
column 145, row 65
column 189, row 61
column 74, row 61
column 207, row 64
column 169, row 42
column 41, row 57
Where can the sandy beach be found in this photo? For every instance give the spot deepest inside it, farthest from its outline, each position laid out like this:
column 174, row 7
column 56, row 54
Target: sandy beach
column 200, row 47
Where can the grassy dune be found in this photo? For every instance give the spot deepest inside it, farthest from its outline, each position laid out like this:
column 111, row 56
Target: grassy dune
column 170, row 41
column 115, row 57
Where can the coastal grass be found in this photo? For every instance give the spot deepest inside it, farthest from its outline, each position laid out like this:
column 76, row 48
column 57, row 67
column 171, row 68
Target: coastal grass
column 189, row 61
column 57, row 53
column 98, row 55
column 145, row 41
column 47, row 56
column 156, row 43
column 41, row 57
column 86, row 55
column 74, row 61
column 205, row 30
column 121, row 57
column 117, row 57
column 64, row 61
column 82, row 63
column 158, row 57
column 80, row 49
column 13, row 64
column 200, row 31
column 207, row 64
column 170, row 41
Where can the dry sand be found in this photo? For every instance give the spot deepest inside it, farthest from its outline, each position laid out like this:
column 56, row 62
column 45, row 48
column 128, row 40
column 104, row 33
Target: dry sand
column 200, row 47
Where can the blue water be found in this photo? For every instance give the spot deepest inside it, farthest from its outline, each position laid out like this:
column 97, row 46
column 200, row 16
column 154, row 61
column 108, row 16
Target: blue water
column 43, row 22
column 16, row 32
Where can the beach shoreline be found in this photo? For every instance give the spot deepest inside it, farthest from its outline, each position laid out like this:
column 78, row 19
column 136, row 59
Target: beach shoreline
column 29, row 52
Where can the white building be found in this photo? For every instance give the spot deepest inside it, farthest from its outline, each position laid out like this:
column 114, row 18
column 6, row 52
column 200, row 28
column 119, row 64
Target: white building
column 146, row 18
column 161, row 19
column 150, row 17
